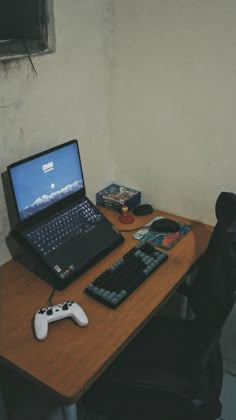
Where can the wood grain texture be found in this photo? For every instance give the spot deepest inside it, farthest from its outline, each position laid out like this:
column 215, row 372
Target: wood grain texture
column 71, row 358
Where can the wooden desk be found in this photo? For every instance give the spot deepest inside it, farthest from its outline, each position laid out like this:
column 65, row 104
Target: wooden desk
column 71, row 358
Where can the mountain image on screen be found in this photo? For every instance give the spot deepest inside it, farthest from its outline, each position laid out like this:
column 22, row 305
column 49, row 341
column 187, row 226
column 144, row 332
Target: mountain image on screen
column 48, row 199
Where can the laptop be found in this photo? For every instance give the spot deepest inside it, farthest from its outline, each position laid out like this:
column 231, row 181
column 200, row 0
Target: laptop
column 58, row 225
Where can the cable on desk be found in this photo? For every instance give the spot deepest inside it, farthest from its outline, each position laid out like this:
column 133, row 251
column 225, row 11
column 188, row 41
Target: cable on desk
column 50, row 298
column 131, row 230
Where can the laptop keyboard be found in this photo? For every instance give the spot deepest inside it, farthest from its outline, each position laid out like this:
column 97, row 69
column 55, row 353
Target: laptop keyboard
column 121, row 279
column 62, row 227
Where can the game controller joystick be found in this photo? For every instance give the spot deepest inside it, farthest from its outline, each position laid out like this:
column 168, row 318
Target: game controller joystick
column 44, row 316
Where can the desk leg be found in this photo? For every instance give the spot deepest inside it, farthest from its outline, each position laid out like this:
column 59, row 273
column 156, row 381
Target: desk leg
column 70, row 412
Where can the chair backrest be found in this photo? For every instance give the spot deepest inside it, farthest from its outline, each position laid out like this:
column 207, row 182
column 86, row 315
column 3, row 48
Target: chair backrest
column 213, row 292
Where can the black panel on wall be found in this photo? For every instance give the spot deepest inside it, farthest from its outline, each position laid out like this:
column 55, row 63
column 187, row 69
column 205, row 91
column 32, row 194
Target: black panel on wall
column 23, row 23
column 22, row 19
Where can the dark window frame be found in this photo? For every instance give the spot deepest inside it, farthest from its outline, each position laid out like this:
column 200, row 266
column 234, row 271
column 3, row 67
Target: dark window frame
column 27, row 29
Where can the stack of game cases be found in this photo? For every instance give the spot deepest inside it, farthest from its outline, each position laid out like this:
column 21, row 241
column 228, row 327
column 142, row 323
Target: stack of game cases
column 114, row 196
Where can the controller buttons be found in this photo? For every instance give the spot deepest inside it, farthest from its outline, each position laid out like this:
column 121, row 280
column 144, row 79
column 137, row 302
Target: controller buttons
column 49, row 311
column 65, row 307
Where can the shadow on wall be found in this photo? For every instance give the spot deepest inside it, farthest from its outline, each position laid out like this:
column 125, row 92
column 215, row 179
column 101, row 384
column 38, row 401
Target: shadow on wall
column 10, row 203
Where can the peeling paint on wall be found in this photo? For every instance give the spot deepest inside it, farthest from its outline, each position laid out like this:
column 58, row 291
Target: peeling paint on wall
column 9, row 65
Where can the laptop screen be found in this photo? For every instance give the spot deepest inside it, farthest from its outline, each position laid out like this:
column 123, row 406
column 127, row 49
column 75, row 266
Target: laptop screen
column 46, row 178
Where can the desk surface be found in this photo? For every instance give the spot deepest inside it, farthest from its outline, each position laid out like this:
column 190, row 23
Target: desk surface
column 71, row 358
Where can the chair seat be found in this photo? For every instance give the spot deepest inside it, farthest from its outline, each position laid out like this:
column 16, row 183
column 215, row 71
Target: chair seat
column 168, row 344
column 156, row 373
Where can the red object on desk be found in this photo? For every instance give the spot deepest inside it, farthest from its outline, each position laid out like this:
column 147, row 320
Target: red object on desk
column 126, row 217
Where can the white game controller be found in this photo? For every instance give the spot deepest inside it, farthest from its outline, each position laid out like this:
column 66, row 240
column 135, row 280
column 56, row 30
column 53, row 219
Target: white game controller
column 44, row 316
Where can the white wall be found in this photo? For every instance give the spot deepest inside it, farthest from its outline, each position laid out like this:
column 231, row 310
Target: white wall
column 174, row 102
column 69, row 98
column 172, row 90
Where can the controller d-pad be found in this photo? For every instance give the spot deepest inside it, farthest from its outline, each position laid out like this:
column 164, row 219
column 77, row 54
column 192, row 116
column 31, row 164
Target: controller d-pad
column 41, row 311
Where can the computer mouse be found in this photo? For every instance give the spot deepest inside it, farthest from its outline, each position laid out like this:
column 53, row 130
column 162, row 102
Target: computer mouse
column 143, row 209
column 165, row 225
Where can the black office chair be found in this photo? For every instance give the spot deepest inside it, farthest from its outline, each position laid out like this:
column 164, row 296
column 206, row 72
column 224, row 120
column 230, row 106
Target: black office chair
column 173, row 369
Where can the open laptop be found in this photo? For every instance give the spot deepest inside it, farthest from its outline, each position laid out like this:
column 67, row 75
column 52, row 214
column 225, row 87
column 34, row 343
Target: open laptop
column 58, row 224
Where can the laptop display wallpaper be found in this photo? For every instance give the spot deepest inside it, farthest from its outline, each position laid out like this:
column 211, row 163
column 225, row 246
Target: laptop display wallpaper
column 47, row 179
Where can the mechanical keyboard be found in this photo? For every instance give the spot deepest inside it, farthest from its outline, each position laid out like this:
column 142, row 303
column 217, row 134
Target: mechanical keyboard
column 116, row 283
